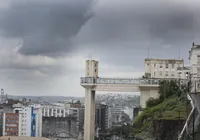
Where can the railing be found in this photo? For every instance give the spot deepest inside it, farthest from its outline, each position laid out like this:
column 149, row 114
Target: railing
column 151, row 81
column 185, row 134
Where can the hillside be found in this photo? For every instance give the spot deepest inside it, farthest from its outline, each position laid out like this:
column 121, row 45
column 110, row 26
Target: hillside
column 163, row 117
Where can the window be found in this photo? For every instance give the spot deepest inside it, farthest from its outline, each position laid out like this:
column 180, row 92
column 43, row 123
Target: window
column 166, row 74
column 167, row 66
column 160, row 73
column 95, row 64
column 198, row 58
column 172, row 74
column 160, row 65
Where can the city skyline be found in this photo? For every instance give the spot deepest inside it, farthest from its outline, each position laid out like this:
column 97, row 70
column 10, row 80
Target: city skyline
column 44, row 44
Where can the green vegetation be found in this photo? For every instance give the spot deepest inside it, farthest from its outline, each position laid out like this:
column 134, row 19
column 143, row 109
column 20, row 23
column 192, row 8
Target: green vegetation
column 171, row 104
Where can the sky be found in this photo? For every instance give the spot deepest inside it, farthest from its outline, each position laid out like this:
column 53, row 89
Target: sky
column 44, row 43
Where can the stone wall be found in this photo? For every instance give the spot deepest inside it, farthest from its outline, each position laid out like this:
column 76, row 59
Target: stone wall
column 167, row 129
column 55, row 126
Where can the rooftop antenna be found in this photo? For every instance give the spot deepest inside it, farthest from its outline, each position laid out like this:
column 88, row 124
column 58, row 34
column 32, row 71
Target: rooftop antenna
column 179, row 52
column 148, row 53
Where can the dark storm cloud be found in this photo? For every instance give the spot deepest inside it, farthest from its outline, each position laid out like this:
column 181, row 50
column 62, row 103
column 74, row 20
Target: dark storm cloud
column 46, row 26
column 128, row 28
column 143, row 21
column 119, row 30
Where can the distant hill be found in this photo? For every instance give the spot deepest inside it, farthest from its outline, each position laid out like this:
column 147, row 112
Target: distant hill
column 109, row 98
column 47, row 98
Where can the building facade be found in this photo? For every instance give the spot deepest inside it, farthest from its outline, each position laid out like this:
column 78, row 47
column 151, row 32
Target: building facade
column 31, row 123
column 162, row 68
column 183, row 72
column 70, row 114
column 12, row 124
column 194, row 57
column 110, row 117
column 29, row 120
column 101, row 116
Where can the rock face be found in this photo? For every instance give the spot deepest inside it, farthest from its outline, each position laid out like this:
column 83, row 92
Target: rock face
column 167, row 129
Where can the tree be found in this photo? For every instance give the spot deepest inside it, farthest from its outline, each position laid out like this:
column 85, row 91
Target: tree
column 169, row 88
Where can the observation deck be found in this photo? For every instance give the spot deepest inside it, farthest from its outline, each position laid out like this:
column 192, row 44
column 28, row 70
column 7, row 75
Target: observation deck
column 122, row 84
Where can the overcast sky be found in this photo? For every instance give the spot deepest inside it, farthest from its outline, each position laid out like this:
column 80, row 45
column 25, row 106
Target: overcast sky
column 44, row 43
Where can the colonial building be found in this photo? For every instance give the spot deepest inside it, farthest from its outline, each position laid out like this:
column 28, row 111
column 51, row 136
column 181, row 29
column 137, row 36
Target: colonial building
column 162, row 68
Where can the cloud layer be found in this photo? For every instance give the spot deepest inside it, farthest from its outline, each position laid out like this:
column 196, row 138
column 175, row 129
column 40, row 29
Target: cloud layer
column 45, row 42
column 46, row 27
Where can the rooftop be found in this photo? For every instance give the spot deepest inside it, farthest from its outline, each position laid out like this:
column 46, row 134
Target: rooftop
column 183, row 68
column 194, row 47
column 158, row 59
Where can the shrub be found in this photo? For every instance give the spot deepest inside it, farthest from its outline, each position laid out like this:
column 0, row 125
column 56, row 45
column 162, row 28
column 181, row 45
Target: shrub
column 153, row 102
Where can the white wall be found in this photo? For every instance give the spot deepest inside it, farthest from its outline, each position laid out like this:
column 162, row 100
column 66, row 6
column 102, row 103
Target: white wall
column 146, row 94
column 25, row 120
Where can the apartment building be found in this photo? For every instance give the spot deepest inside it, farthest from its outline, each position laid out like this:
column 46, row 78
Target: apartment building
column 31, row 122
column 12, row 124
column 101, row 116
column 27, row 121
column 162, row 68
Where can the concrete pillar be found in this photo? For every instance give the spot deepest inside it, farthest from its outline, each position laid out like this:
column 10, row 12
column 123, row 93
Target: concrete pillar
column 89, row 129
column 63, row 112
column 56, row 112
column 48, row 112
column 145, row 94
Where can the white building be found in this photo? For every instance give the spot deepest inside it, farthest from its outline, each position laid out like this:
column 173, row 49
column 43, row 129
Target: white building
column 162, row 68
column 183, row 72
column 64, row 110
column 117, row 113
column 31, row 124
column 194, row 57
